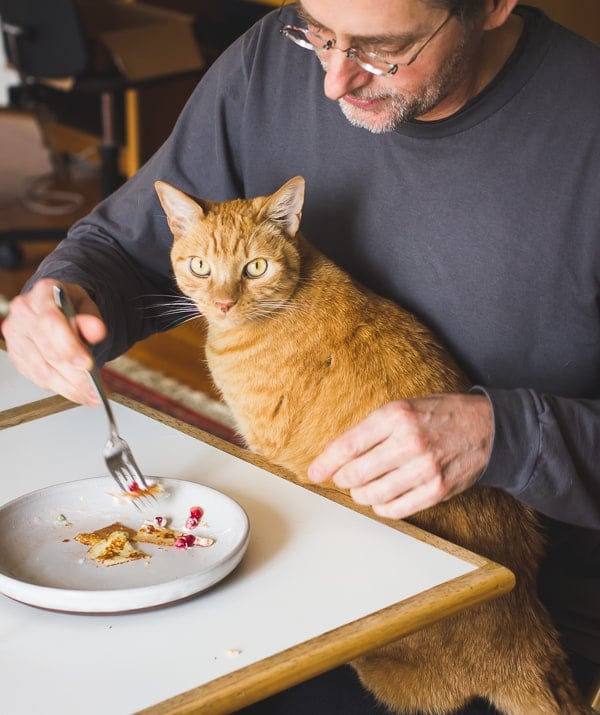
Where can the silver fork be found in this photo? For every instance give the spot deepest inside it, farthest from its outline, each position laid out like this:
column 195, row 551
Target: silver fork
column 117, row 454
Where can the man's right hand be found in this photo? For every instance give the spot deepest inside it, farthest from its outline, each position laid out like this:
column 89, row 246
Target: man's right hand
column 47, row 348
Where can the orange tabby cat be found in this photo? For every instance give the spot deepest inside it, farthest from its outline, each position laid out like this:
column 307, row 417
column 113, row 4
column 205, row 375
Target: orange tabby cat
column 301, row 352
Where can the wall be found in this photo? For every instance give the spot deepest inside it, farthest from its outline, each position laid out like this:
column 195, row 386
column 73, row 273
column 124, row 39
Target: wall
column 583, row 16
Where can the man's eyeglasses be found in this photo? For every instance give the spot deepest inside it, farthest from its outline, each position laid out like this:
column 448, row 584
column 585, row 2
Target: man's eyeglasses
column 369, row 61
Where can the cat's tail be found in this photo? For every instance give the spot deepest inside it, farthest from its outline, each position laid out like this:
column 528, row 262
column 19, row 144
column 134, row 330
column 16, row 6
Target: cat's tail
column 569, row 698
column 557, row 694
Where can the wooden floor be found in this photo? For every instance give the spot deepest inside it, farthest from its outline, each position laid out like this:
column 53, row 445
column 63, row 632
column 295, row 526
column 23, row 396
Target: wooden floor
column 178, row 353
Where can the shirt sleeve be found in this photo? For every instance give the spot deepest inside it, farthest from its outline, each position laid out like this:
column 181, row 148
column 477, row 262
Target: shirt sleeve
column 542, row 453
column 120, row 252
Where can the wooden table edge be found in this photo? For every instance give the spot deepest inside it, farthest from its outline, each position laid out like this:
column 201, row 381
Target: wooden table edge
column 43, row 407
column 14, row 416
column 334, row 648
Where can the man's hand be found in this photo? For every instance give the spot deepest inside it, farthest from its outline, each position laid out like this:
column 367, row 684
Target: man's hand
column 411, row 454
column 49, row 350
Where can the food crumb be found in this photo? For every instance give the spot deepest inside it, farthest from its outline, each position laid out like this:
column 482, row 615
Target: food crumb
column 204, row 541
column 232, row 652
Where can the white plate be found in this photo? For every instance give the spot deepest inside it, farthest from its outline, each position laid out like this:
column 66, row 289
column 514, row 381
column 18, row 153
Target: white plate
column 42, row 565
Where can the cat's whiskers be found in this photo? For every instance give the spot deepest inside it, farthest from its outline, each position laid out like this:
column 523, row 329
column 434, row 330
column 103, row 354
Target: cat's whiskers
column 274, row 304
column 268, row 308
column 180, row 308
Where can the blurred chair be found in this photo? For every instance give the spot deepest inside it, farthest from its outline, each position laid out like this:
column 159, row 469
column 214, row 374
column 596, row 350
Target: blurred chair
column 45, row 42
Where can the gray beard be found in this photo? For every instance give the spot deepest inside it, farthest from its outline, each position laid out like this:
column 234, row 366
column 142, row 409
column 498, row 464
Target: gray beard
column 406, row 108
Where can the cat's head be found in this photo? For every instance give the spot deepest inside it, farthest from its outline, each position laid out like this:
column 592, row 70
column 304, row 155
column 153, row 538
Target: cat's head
column 237, row 260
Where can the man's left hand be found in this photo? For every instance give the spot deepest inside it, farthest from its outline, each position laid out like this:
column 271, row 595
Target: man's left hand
column 410, row 454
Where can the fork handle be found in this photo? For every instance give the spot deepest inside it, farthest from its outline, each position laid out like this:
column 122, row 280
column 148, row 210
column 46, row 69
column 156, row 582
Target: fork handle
column 63, row 302
column 96, row 380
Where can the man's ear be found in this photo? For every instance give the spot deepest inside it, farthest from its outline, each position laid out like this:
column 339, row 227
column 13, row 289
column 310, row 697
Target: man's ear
column 497, row 12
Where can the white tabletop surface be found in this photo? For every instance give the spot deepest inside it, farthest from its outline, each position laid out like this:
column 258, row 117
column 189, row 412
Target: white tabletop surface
column 312, row 565
column 14, row 388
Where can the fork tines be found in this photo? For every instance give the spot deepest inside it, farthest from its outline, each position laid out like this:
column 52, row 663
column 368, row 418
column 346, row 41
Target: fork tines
column 124, row 470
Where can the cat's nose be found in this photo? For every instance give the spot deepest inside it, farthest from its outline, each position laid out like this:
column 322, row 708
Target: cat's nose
column 224, row 305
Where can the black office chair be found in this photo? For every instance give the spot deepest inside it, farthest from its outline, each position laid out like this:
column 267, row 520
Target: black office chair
column 45, row 40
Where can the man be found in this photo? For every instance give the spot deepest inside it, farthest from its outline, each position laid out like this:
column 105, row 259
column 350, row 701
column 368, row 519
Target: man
column 455, row 171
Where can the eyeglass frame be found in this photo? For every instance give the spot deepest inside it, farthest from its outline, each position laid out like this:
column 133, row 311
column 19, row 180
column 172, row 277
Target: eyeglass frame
column 351, row 52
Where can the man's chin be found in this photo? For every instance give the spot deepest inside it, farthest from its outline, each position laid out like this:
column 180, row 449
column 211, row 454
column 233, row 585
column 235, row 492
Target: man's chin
column 378, row 119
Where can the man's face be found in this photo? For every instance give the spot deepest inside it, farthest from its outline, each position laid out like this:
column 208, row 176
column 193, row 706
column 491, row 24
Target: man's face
column 429, row 88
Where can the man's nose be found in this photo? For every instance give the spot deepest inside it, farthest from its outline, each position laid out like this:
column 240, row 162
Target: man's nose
column 342, row 75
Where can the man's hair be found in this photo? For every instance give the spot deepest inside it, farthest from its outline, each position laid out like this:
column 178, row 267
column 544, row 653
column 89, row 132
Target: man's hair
column 467, row 11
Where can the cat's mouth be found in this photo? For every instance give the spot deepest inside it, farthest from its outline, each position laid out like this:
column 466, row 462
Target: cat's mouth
column 229, row 316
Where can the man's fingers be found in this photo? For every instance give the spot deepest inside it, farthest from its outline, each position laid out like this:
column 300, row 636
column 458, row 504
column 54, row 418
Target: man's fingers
column 369, row 467
column 349, row 449
column 71, row 382
column 409, row 503
column 49, row 349
column 393, row 478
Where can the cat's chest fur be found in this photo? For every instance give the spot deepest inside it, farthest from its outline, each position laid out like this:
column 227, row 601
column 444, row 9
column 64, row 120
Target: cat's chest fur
column 335, row 352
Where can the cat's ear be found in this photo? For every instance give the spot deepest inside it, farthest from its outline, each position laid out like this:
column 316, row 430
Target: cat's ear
column 181, row 210
column 284, row 207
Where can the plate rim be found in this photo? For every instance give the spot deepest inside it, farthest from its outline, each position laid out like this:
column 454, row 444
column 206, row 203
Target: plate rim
column 49, row 597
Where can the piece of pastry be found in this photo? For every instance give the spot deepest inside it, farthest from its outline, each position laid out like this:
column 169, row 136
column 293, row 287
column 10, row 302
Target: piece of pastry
column 100, row 534
column 115, row 549
column 151, row 534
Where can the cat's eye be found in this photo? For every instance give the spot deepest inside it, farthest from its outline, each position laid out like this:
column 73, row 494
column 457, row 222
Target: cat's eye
column 199, row 267
column 255, row 268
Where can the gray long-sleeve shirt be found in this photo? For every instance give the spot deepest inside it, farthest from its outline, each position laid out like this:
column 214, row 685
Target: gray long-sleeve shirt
column 486, row 224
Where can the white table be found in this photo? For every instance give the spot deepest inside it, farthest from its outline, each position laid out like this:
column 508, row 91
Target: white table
column 319, row 584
